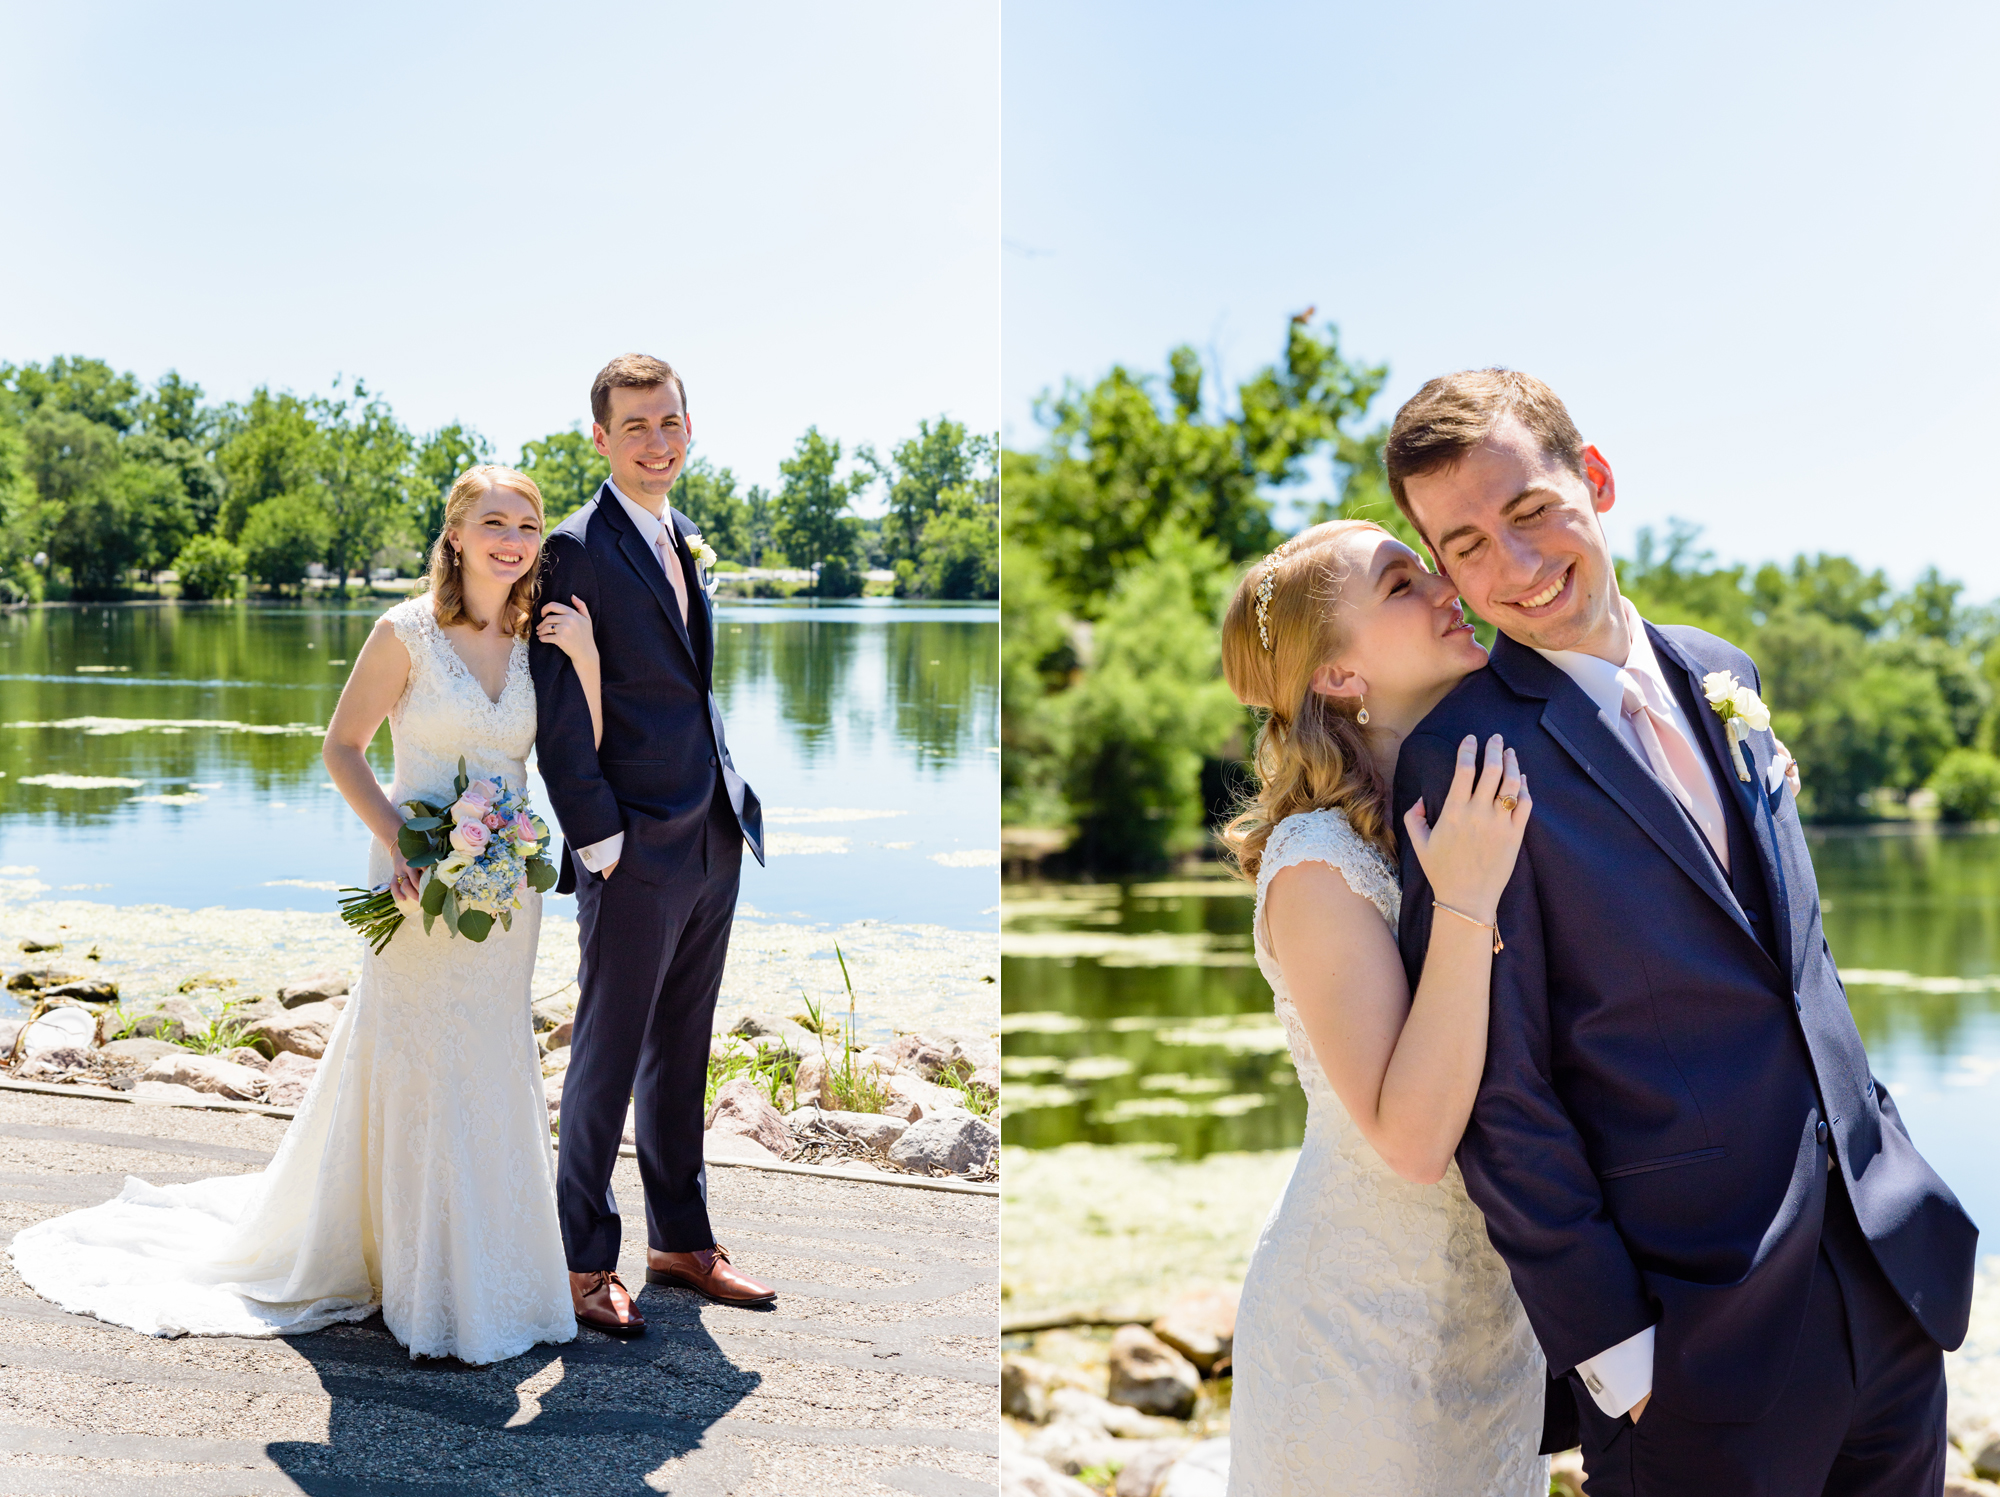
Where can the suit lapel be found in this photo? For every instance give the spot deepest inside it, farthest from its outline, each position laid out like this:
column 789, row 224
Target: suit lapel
column 1751, row 798
column 1600, row 750
column 701, row 618
column 646, row 561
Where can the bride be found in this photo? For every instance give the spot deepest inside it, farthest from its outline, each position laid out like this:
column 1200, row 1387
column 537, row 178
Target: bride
column 1379, row 1346
column 418, row 1173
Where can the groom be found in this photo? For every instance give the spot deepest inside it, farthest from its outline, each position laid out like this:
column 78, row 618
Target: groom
column 1716, row 1221
column 654, row 821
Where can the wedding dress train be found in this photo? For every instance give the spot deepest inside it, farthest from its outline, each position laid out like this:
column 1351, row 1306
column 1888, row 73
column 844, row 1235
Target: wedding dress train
column 417, row 1174
column 1379, row 1345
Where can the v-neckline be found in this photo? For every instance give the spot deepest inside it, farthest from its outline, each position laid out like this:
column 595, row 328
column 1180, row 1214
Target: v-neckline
column 506, row 678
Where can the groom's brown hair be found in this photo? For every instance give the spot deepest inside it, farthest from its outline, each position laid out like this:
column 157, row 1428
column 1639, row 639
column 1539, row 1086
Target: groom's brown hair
column 630, row 371
column 1453, row 414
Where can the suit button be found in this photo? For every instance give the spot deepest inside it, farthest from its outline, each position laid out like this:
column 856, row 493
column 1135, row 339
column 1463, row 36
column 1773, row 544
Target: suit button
column 711, row 761
column 1751, row 916
column 1819, row 1131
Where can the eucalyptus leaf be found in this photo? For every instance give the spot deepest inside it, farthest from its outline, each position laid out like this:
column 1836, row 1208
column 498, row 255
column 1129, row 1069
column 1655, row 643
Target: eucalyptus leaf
column 435, row 890
column 423, row 823
column 541, row 875
column 474, row 924
column 424, row 859
column 430, row 919
column 449, row 909
column 412, row 843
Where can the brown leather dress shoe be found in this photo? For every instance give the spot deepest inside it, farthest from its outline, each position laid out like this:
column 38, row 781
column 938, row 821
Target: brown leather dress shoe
column 604, row 1304
column 707, row 1272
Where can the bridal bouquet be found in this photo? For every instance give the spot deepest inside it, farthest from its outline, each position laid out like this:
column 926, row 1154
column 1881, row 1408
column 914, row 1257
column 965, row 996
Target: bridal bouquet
column 482, row 850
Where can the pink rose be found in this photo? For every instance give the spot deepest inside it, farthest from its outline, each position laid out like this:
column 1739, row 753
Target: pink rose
column 492, row 822
column 470, row 837
column 524, row 828
column 485, row 790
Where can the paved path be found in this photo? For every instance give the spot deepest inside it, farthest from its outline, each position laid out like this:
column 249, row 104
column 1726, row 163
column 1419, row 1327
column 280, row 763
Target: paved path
column 876, row 1373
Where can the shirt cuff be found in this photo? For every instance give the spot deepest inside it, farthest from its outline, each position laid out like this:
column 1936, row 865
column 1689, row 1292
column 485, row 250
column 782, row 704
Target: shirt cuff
column 601, row 855
column 1620, row 1377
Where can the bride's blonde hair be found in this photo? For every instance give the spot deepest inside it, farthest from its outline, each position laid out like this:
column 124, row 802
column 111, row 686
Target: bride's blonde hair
column 443, row 579
column 1310, row 754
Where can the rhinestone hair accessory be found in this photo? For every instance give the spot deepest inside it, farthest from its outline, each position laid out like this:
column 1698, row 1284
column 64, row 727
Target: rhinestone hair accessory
column 1266, row 585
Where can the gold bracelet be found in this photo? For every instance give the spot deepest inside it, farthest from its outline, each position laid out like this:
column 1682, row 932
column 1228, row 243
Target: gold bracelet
column 1498, row 944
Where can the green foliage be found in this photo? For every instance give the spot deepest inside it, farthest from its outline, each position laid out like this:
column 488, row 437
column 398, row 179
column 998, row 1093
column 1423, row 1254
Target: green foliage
column 811, row 523
column 940, row 461
column 208, row 567
column 1121, row 466
column 363, row 452
column 1967, row 785
column 440, row 458
column 89, row 388
column 1038, row 660
column 272, row 449
column 282, row 537
column 566, row 468
column 958, row 553
column 838, row 578
column 1149, row 709
column 707, row 495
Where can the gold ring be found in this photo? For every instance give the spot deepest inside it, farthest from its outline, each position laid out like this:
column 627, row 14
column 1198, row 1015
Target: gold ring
column 1510, row 801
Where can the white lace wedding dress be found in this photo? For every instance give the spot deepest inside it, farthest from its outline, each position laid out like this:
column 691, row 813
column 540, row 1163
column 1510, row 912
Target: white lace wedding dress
column 1379, row 1345
column 418, row 1173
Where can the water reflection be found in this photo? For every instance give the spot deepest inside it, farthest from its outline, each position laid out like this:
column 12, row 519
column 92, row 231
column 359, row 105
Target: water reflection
column 171, row 753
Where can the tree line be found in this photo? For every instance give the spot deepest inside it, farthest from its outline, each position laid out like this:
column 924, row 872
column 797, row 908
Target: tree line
column 1124, row 535
column 103, row 477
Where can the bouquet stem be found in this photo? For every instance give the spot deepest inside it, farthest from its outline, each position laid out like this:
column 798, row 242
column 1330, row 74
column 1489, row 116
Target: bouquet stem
column 373, row 913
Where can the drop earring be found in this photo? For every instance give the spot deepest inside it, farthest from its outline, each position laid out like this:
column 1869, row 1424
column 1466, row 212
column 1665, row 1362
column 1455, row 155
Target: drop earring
column 1362, row 716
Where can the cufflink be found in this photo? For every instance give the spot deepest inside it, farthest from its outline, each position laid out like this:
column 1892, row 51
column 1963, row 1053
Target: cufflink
column 1593, row 1382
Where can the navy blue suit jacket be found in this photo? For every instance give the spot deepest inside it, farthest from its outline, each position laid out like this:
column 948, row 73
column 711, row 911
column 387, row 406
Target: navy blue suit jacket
column 1666, row 1070
column 654, row 776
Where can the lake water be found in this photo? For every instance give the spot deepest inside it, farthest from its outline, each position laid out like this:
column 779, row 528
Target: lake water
column 1135, row 1014
column 170, row 754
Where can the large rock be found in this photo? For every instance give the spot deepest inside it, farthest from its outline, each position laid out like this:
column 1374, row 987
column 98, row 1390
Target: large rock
column 208, row 1073
column 1073, row 1405
column 54, row 1062
column 295, row 1031
column 65, row 1028
column 764, row 1032
column 559, row 1037
column 1025, row 1475
column 167, row 1092
column 1146, row 1467
column 874, row 1129
column 170, row 1019
column 1072, row 1448
column 1200, row 1325
column 29, row 979
column 317, row 988
column 921, row 1055
column 243, row 1055
column 1202, row 1472
column 958, row 1144
column 742, row 1108
column 1985, row 1457
column 1149, row 1375
column 144, row 1052
column 927, row 1097
column 85, row 990
column 737, row 1147
column 556, row 1062
column 287, row 1080
column 549, row 1012
column 45, row 940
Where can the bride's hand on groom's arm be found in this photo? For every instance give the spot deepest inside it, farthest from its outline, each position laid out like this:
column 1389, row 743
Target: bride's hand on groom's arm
column 1469, row 855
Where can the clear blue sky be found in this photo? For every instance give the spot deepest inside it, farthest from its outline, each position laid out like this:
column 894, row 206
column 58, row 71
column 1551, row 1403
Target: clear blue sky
column 473, row 206
column 1752, row 245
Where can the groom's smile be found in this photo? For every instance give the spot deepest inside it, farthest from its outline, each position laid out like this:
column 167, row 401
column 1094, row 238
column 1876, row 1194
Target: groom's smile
column 645, row 440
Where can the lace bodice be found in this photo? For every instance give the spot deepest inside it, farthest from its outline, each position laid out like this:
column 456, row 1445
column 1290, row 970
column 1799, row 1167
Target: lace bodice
column 1318, row 837
column 444, row 711
column 1379, row 1346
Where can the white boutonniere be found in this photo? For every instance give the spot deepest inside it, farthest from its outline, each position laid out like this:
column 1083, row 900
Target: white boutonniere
column 1742, row 712
column 701, row 550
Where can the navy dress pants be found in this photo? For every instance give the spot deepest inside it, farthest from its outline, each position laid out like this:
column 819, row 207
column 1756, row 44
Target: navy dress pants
column 651, row 967
column 1862, row 1414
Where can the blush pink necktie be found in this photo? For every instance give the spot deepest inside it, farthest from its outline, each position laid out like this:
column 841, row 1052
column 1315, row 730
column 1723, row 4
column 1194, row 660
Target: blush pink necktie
column 670, row 564
column 1674, row 761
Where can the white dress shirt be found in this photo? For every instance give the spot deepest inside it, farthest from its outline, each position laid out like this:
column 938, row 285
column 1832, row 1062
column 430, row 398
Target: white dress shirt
column 652, row 529
column 1622, row 1375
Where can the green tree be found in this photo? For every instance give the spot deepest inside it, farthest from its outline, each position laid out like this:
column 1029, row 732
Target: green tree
column 958, row 553
column 1967, row 785
column 208, row 567
column 272, row 448
column 707, row 495
column 440, row 458
column 566, row 468
column 1123, row 464
column 284, row 536
column 364, row 456
column 759, row 517
column 812, row 524
column 89, row 388
column 1149, row 709
column 938, row 460
column 1038, row 660
column 173, row 410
